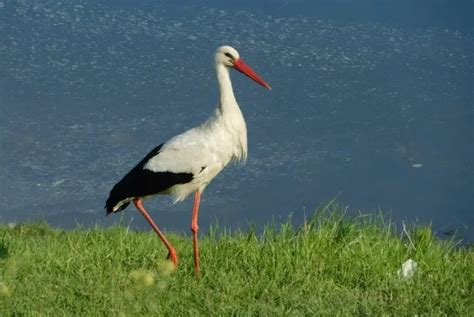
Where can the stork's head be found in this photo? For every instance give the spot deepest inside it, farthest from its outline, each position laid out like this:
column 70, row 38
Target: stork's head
column 229, row 57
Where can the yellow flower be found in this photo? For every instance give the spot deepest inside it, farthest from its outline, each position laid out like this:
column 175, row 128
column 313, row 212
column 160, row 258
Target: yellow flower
column 5, row 291
column 142, row 278
column 166, row 268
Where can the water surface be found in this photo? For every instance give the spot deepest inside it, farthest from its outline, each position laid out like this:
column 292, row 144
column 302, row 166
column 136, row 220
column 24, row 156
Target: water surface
column 371, row 104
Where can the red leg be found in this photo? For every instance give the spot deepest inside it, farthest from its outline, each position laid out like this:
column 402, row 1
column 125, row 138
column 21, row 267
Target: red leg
column 194, row 229
column 171, row 252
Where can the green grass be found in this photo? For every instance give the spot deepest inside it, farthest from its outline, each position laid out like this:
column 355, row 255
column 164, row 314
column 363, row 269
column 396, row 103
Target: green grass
column 329, row 266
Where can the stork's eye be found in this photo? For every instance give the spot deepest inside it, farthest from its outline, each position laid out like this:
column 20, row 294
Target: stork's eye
column 229, row 56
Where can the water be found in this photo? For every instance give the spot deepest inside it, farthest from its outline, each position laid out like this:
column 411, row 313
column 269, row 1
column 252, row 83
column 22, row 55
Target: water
column 371, row 103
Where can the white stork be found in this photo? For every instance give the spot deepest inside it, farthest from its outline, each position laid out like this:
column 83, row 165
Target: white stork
column 188, row 162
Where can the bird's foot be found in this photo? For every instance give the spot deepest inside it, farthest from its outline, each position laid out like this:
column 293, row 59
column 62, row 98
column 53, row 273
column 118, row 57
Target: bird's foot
column 173, row 257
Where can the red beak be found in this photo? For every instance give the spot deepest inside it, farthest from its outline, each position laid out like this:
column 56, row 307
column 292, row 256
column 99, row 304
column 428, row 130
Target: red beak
column 242, row 67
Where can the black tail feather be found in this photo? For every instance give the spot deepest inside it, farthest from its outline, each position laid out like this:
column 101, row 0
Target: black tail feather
column 110, row 204
column 140, row 182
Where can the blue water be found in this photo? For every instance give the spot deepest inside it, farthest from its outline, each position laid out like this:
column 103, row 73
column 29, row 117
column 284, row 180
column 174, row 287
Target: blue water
column 371, row 103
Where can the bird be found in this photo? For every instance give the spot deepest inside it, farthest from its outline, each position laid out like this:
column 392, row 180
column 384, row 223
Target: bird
column 188, row 162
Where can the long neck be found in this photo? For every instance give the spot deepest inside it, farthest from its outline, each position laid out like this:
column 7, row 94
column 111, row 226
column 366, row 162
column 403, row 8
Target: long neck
column 225, row 88
column 229, row 113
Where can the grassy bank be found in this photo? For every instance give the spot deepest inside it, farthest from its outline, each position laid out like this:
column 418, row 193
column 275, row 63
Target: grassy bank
column 327, row 267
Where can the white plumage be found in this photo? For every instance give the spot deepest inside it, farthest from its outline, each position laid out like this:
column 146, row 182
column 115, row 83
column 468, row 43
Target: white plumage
column 204, row 150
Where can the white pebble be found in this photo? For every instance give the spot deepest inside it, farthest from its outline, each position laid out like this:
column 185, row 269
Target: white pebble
column 408, row 269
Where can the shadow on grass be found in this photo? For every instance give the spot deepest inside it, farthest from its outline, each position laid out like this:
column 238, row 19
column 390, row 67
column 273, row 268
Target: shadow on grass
column 3, row 251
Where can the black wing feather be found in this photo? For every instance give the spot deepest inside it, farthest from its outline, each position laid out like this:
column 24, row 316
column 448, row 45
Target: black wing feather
column 141, row 182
